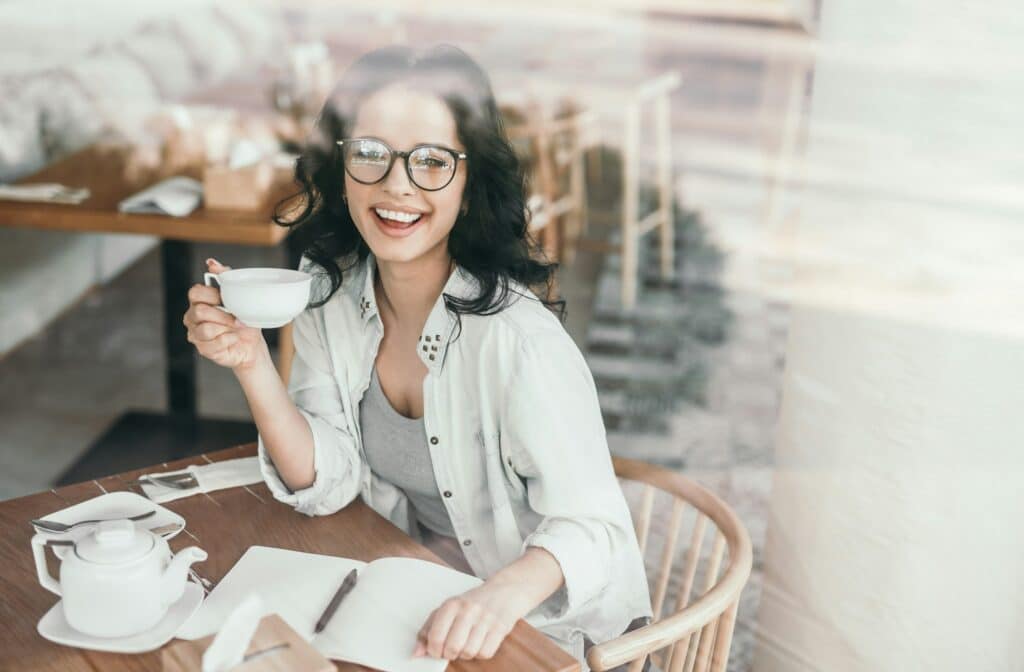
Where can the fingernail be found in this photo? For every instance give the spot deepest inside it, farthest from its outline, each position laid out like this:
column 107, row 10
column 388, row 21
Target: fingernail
column 211, row 260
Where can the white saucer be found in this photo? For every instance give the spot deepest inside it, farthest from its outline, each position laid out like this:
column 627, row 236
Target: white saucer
column 54, row 627
column 121, row 504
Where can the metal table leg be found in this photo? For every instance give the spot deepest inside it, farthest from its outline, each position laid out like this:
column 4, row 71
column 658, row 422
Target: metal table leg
column 143, row 438
column 176, row 259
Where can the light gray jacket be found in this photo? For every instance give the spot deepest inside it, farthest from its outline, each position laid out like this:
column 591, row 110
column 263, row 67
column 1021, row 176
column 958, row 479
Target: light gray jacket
column 515, row 435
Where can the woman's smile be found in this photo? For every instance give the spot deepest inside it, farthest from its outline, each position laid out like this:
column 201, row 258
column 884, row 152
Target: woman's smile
column 397, row 224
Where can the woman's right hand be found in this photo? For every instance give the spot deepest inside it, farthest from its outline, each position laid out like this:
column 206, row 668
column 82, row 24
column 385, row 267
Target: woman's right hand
column 218, row 335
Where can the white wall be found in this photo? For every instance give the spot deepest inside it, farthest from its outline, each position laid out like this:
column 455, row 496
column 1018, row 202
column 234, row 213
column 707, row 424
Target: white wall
column 894, row 538
column 894, row 532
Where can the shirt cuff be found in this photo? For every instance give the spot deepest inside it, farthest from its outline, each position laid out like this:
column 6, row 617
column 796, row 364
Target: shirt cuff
column 586, row 574
column 328, row 465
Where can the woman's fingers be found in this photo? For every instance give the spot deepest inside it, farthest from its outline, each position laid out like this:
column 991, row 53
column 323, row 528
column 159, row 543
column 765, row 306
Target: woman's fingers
column 222, row 342
column 440, row 623
column 204, row 312
column 204, row 294
column 207, row 331
column 458, row 634
column 463, row 627
column 200, row 294
column 207, row 313
column 492, row 641
column 475, row 642
column 208, row 346
column 216, row 333
column 215, row 266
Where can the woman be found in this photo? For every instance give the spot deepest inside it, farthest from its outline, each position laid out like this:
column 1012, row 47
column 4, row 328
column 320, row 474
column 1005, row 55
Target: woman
column 427, row 377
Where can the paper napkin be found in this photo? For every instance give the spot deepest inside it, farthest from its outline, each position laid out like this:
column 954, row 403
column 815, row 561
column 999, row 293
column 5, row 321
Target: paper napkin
column 228, row 648
column 176, row 196
column 43, row 192
column 210, row 477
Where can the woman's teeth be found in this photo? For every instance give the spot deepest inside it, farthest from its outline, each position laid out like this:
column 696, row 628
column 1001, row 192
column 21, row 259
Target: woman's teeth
column 402, row 217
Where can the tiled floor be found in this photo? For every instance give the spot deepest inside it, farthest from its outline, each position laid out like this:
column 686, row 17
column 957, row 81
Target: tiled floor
column 102, row 357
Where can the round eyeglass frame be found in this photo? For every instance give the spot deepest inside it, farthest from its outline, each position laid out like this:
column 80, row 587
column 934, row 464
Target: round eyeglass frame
column 395, row 154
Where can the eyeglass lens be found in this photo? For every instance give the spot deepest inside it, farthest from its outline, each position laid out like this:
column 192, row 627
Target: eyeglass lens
column 429, row 168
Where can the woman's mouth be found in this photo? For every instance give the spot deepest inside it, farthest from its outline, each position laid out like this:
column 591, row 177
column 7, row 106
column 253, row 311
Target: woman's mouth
column 396, row 224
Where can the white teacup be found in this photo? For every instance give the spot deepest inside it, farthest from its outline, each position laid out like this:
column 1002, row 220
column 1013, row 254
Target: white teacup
column 264, row 298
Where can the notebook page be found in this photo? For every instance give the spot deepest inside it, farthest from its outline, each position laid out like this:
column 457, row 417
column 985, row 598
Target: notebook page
column 378, row 622
column 295, row 585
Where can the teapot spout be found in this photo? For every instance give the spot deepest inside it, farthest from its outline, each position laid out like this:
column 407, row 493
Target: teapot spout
column 173, row 582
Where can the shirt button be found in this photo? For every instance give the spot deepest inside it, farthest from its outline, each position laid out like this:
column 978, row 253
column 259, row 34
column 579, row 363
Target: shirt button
column 433, row 440
column 447, row 493
column 467, row 542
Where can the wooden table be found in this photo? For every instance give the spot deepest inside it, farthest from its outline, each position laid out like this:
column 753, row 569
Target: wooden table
column 224, row 523
column 105, row 171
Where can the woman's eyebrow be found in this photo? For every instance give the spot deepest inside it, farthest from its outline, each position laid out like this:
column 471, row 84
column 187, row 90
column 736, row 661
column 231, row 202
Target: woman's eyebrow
column 450, row 145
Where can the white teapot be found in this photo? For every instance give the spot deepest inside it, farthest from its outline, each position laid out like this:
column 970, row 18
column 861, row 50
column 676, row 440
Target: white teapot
column 117, row 581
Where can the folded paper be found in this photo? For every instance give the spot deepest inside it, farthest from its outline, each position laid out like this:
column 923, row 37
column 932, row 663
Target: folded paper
column 175, row 196
column 209, row 477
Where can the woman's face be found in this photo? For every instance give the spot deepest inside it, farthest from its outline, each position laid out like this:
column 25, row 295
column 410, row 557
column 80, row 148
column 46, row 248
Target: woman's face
column 403, row 117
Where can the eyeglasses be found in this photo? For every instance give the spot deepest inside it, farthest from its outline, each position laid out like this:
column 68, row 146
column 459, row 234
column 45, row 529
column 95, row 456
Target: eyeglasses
column 429, row 167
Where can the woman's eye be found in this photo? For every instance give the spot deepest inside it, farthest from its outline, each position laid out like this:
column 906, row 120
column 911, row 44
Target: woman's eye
column 429, row 159
column 432, row 162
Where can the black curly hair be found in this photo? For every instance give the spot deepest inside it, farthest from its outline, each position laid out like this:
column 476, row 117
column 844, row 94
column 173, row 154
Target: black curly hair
column 490, row 240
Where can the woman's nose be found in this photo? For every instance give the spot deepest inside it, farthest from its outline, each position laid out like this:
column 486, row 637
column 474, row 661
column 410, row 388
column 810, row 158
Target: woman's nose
column 397, row 181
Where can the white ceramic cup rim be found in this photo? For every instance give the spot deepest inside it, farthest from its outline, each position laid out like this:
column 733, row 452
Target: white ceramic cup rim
column 280, row 276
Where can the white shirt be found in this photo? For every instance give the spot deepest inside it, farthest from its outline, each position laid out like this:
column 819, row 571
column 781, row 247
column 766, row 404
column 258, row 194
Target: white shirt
column 516, row 439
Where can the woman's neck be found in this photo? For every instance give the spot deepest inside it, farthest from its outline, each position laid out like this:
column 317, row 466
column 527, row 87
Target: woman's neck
column 408, row 290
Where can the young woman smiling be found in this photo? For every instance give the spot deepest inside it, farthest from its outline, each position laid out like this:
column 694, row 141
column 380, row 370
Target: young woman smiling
column 428, row 378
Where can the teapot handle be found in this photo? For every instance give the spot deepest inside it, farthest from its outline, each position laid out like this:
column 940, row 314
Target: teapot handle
column 46, row 580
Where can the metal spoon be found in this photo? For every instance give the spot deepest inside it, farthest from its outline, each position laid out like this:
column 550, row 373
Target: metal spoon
column 54, row 526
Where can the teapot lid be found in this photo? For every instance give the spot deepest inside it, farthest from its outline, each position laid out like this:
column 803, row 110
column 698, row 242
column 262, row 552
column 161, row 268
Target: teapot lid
column 114, row 542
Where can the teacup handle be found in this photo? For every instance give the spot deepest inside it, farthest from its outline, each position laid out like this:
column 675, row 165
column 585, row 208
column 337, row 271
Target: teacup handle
column 46, row 580
column 208, row 279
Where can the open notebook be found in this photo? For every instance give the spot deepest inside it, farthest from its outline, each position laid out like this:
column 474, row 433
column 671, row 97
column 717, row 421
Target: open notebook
column 376, row 624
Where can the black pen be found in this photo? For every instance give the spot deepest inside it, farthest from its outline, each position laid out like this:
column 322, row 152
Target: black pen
column 346, row 587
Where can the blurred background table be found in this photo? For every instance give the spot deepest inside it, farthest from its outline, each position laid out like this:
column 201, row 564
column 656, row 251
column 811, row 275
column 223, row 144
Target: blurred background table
column 107, row 171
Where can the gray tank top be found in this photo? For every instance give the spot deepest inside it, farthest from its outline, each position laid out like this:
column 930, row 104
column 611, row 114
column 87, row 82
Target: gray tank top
column 396, row 448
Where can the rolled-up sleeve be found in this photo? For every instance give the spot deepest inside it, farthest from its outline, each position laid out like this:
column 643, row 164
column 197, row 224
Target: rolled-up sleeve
column 314, row 389
column 557, row 439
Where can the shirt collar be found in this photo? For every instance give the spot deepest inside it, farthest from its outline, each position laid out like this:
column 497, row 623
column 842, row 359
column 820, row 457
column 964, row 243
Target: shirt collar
column 438, row 330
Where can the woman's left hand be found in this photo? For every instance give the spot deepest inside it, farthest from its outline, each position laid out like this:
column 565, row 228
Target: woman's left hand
column 474, row 624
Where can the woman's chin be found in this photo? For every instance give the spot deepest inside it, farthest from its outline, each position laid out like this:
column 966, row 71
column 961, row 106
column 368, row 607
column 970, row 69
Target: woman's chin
column 397, row 251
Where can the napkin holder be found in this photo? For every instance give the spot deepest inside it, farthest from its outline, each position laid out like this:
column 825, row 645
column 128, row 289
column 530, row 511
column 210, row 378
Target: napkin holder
column 242, row 188
column 187, row 656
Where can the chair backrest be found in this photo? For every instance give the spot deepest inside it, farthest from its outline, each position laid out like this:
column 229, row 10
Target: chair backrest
column 694, row 632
